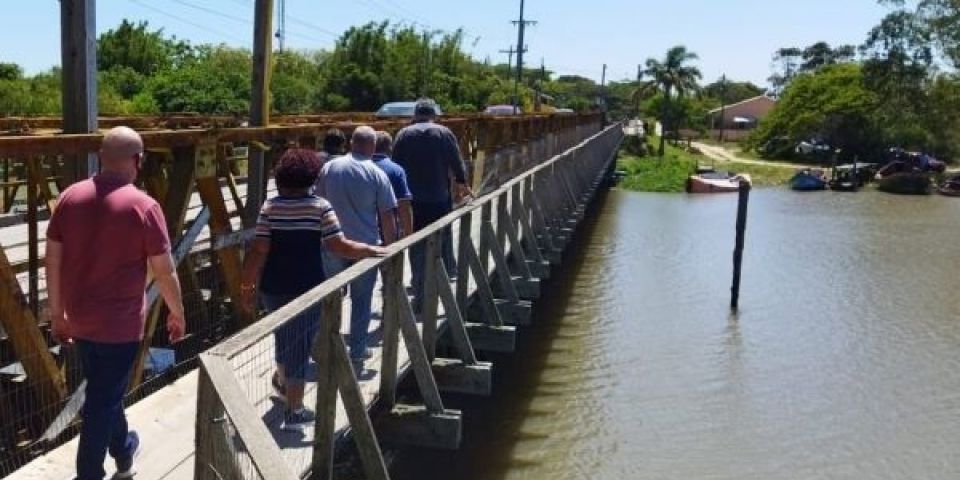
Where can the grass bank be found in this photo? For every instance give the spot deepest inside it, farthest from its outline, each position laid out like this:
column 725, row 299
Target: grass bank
column 669, row 174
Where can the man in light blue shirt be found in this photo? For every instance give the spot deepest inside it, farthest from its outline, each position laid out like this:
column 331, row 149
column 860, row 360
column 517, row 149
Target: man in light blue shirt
column 363, row 199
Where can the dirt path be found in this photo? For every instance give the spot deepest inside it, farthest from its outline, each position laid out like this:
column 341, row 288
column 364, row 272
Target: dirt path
column 722, row 154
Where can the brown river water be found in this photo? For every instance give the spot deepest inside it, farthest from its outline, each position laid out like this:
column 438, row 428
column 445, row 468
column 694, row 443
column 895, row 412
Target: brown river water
column 843, row 362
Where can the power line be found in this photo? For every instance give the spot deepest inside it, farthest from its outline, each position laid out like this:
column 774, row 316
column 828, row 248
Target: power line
column 248, row 22
column 245, row 21
column 185, row 21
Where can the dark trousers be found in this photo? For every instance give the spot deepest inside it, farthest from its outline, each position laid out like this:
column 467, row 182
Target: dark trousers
column 425, row 213
column 106, row 367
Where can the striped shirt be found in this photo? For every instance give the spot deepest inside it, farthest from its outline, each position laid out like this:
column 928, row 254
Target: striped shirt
column 296, row 228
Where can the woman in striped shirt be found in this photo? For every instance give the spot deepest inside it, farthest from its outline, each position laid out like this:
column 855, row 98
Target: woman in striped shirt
column 285, row 261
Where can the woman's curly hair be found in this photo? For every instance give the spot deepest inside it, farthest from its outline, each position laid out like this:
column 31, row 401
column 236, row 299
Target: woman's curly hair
column 297, row 168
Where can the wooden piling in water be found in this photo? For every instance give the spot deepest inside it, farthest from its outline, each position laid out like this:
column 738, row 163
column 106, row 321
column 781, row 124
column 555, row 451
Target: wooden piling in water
column 742, row 202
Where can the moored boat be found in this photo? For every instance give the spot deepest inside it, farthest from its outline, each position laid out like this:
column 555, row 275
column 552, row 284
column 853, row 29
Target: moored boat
column 905, row 183
column 807, row 180
column 715, row 182
column 951, row 187
column 846, row 178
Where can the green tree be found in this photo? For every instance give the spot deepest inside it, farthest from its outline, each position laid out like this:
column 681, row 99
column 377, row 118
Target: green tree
column 136, row 47
column 671, row 76
column 10, row 71
column 731, row 91
column 216, row 80
column 898, row 57
column 831, row 104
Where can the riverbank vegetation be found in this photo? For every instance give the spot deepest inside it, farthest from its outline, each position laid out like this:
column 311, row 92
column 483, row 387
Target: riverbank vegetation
column 646, row 171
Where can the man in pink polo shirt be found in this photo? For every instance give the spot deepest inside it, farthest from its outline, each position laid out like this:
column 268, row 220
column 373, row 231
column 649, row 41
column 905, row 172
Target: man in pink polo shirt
column 101, row 239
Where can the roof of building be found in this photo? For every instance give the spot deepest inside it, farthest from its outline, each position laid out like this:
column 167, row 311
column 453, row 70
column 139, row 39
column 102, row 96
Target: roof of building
column 741, row 102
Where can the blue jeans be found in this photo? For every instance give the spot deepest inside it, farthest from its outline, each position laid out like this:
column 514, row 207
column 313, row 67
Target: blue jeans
column 106, row 366
column 361, row 300
column 292, row 341
column 425, row 213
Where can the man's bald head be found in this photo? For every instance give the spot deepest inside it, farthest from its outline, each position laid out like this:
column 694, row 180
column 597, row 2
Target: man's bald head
column 120, row 149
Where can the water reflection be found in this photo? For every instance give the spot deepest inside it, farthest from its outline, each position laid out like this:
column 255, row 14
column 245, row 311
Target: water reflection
column 844, row 361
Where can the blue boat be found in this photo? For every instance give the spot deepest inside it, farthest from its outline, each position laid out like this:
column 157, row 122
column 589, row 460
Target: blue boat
column 808, row 180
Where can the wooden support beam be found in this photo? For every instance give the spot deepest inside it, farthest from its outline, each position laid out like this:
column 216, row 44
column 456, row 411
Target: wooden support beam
column 326, row 408
column 208, row 186
column 484, row 291
column 463, row 273
column 256, row 440
column 40, row 178
column 492, row 338
column 374, row 467
column 455, row 320
column 455, row 376
column 505, row 285
column 212, row 457
column 486, row 216
column 25, row 338
column 392, row 273
column 428, row 309
column 418, row 357
column 415, row 425
column 518, row 313
column 33, row 239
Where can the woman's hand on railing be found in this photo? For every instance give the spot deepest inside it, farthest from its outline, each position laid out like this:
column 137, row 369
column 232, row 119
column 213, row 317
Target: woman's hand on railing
column 375, row 251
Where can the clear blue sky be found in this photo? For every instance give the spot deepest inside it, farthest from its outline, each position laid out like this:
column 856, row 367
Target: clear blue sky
column 736, row 37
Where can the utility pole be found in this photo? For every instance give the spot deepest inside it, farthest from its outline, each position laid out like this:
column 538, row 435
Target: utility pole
column 723, row 105
column 639, row 79
column 425, row 77
column 603, row 87
column 259, row 106
column 509, row 53
column 521, row 49
column 282, row 31
column 538, row 102
column 78, row 47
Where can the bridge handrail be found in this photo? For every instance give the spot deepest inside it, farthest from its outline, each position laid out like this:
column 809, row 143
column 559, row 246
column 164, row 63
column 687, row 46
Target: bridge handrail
column 265, row 326
column 540, row 211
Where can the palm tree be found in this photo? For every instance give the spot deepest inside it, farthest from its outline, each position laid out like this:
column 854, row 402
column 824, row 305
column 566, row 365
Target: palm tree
column 670, row 77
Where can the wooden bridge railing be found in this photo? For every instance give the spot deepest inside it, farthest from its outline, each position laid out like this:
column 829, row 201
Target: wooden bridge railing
column 523, row 226
column 196, row 176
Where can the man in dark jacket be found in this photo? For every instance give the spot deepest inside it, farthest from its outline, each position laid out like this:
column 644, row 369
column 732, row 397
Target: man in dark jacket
column 430, row 154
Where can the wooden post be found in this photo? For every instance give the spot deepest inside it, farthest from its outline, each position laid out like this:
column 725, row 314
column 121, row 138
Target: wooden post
column 463, row 274
column 259, row 106
column 428, row 307
column 33, row 237
column 486, row 216
column 78, row 58
column 393, row 288
column 326, row 410
column 208, row 186
column 364, row 437
column 743, row 200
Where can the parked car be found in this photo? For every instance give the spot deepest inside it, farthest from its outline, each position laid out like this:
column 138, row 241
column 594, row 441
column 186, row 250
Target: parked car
column 399, row 110
column 502, row 110
column 813, row 147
